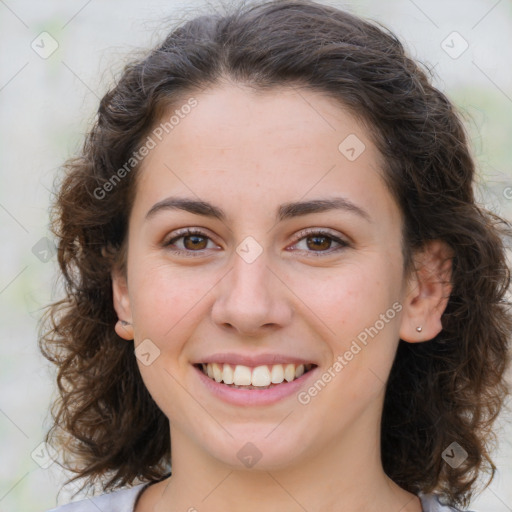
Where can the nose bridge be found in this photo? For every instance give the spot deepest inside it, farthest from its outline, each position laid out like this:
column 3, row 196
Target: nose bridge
column 250, row 279
column 251, row 296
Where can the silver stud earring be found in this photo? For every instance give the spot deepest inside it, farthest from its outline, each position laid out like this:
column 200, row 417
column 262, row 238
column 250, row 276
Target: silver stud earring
column 124, row 323
column 418, row 328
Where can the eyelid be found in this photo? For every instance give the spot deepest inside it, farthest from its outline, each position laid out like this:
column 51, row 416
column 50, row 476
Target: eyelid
column 188, row 231
column 320, row 231
column 304, row 233
column 342, row 241
column 185, row 232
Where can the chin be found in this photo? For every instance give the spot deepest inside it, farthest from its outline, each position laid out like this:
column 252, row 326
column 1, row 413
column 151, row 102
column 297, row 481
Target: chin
column 256, row 450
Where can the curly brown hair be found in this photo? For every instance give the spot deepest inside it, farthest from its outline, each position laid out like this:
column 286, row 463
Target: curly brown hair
column 450, row 388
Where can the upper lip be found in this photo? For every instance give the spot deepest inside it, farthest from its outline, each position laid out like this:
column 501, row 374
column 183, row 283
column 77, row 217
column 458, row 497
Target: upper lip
column 253, row 360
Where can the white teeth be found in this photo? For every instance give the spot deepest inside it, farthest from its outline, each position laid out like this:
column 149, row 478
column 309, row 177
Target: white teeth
column 260, row 376
column 217, row 372
column 227, row 374
column 289, row 372
column 277, row 375
column 242, row 375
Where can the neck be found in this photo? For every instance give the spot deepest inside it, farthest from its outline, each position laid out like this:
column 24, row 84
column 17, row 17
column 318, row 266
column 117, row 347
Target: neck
column 344, row 475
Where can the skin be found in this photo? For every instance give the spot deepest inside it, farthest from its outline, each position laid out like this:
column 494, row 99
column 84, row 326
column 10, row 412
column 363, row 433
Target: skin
column 248, row 153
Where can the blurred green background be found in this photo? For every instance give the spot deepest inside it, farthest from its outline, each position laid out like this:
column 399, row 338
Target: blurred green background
column 49, row 89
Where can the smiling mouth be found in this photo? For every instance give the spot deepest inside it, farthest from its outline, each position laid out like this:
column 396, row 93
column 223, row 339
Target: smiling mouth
column 259, row 377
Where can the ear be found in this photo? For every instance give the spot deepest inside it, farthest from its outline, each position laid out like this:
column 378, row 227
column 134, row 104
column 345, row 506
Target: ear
column 122, row 304
column 428, row 291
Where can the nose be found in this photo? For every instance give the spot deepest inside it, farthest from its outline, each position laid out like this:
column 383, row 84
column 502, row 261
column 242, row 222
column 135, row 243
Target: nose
column 252, row 299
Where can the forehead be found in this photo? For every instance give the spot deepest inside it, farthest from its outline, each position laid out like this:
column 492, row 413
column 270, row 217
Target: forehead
column 252, row 149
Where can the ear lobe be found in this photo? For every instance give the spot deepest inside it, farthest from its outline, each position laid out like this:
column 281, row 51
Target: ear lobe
column 122, row 306
column 428, row 292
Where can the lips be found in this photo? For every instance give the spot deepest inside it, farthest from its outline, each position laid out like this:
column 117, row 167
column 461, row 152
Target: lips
column 249, row 395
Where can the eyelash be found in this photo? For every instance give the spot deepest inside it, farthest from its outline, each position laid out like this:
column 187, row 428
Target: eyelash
column 301, row 235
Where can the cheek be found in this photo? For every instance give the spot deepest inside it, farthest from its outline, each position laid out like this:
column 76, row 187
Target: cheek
column 167, row 298
column 359, row 311
column 347, row 299
column 166, row 309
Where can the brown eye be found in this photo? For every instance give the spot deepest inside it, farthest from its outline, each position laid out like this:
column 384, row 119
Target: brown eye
column 194, row 242
column 188, row 242
column 319, row 242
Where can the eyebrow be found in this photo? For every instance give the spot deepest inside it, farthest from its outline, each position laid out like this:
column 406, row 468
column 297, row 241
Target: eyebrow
column 284, row 212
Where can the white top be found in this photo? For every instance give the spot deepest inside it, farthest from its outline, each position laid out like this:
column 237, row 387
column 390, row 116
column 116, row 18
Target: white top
column 123, row 500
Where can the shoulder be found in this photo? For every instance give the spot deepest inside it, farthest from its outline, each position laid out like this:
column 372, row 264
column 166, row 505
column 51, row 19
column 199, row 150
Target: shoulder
column 431, row 503
column 122, row 500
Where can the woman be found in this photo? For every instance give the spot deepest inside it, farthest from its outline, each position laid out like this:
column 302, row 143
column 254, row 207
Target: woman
column 275, row 265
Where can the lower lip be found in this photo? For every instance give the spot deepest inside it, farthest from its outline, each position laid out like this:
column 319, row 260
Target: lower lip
column 255, row 396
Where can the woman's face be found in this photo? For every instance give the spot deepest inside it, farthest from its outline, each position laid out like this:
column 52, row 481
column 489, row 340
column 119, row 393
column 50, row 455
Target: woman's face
column 269, row 276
